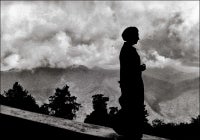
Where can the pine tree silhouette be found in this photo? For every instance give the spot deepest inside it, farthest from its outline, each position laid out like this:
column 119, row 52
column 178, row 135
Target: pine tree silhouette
column 19, row 98
column 62, row 104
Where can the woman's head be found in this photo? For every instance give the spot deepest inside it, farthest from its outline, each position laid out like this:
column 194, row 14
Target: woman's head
column 131, row 34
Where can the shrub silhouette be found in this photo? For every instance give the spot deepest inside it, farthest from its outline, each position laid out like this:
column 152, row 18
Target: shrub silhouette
column 145, row 115
column 157, row 123
column 196, row 120
column 146, row 126
column 176, row 131
column 44, row 109
column 19, row 98
column 61, row 104
column 100, row 114
column 2, row 99
column 113, row 111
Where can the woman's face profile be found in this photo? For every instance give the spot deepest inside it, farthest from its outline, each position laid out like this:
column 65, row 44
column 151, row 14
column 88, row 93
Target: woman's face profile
column 136, row 38
column 131, row 35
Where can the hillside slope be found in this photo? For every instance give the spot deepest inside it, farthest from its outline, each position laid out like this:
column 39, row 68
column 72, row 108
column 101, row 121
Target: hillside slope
column 85, row 82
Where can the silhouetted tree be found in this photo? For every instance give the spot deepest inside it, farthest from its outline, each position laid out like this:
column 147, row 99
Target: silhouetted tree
column 196, row 120
column 2, row 99
column 100, row 115
column 157, row 122
column 145, row 115
column 176, row 131
column 44, row 109
column 19, row 98
column 113, row 111
column 146, row 127
column 112, row 116
column 62, row 104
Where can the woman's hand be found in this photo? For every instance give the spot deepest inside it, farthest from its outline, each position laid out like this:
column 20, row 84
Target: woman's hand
column 142, row 67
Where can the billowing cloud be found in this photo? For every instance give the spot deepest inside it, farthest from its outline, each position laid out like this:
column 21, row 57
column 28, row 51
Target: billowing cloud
column 59, row 34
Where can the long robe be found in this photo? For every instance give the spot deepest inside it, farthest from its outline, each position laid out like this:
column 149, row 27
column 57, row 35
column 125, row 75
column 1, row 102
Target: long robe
column 132, row 98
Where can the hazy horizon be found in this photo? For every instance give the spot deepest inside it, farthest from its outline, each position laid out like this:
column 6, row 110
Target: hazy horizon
column 171, row 97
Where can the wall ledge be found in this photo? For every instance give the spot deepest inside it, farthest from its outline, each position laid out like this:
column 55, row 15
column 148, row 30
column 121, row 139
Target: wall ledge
column 71, row 127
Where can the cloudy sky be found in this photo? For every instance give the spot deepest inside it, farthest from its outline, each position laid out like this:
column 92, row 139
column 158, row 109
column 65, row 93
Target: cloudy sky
column 59, row 34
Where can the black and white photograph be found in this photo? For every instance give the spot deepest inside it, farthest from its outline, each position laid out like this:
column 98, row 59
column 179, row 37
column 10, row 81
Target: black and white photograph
column 100, row 70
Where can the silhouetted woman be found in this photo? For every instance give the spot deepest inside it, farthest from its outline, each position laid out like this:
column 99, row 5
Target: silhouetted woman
column 130, row 117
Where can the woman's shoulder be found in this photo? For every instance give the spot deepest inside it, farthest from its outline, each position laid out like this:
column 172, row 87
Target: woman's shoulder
column 128, row 52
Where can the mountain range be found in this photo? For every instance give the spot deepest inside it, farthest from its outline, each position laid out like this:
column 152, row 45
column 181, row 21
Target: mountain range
column 170, row 94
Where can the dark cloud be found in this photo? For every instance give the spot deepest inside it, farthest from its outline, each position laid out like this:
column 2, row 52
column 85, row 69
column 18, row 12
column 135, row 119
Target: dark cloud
column 174, row 40
column 59, row 34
